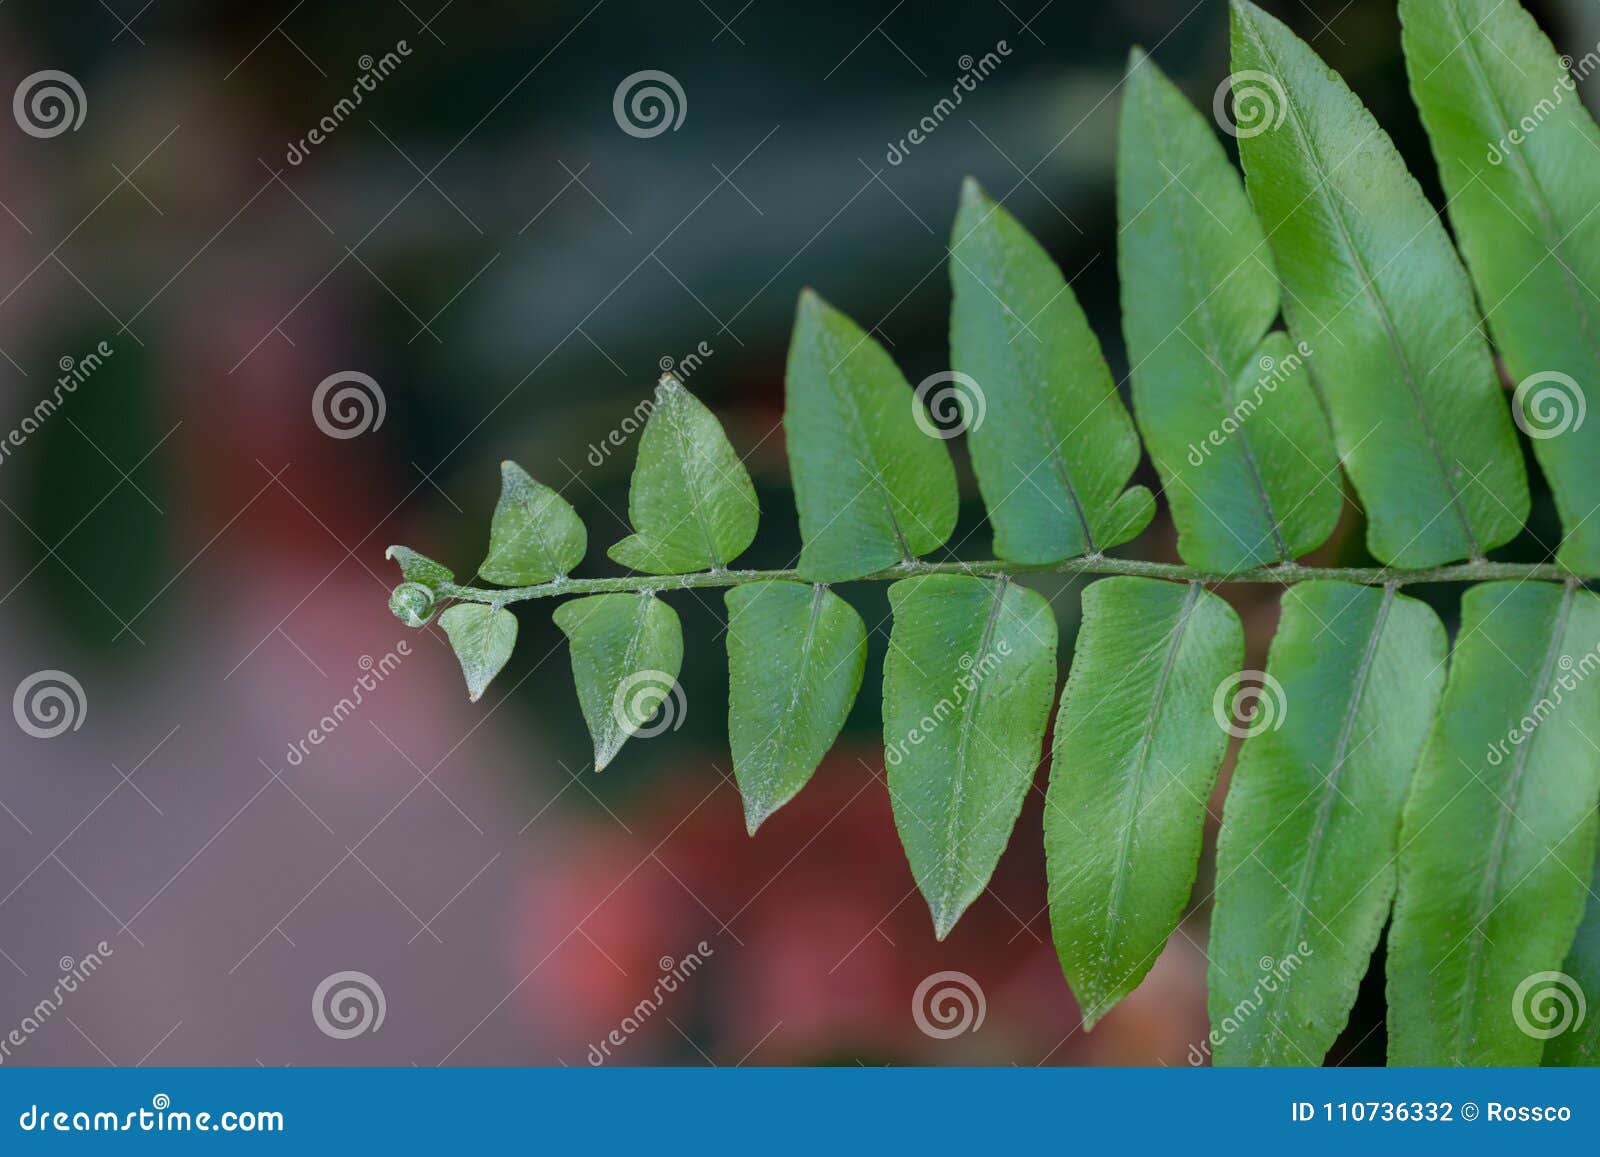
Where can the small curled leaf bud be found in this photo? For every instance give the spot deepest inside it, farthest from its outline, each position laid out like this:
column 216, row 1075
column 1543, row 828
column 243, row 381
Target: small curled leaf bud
column 413, row 604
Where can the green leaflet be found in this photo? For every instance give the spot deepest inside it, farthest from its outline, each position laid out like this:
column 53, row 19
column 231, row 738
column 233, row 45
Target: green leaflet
column 1524, row 214
column 1228, row 413
column 967, row 685
column 1575, row 1021
column 626, row 652
column 691, row 501
column 1375, row 289
column 535, row 536
column 1499, row 833
column 419, row 568
column 1052, row 445
column 795, row 658
column 1306, row 855
column 872, row 488
column 1136, row 757
column 482, row 636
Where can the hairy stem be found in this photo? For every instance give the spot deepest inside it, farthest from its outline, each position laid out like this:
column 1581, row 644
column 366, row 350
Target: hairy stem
column 1281, row 574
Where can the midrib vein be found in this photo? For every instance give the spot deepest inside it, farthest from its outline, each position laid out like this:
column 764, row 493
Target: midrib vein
column 867, row 457
column 1553, row 241
column 1407, row 374
column 691, row 483
column 1477, row 937
column 1044, row 418
column 968, row 710
column 1212, row 352
column 1119, row 875
column 1330, row 793
column 780, row 734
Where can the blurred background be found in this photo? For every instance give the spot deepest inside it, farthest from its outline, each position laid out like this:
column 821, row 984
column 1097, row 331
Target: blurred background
column 196, row 545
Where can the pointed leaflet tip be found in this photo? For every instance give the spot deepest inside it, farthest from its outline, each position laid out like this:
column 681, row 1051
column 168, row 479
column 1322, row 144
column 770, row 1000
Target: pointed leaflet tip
column 606, row 751
column 1245, row 13
column 810, row 304
column 755, row 815
column 971, row 192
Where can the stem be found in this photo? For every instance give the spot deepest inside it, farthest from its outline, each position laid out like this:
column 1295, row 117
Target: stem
column 1281, row 574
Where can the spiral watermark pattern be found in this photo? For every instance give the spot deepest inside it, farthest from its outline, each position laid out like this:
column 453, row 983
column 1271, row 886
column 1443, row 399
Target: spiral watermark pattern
column 1249, row 702
column 348, row 1004
column 648, row 103
column 648, row 703
column 949, row 403
column 348, row 404
column 1259, row 103
column 49, row 103
column 1547, row 1004
column 49, row 703
column 1548, row 404
column 948, row 1004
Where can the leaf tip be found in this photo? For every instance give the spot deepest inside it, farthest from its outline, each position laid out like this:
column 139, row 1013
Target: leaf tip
column 605, row 752
column 1243, row 11
column 812, row 306
column 972, row 193
column 944, row 921
column 756, row 813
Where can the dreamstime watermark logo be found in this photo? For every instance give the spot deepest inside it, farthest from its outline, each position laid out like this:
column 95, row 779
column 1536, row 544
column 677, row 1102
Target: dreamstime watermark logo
column 948, row 1004
column 373, row 73
column 49, row 103
column 1577, row 72
column 648, row 703
column 1274, row 974
column 1573, row 672
column 949, row 403
column 49, row 703
column 73, row 974
column 972, row 674
column 161, row 1118
column 1248, row 703
column 374, row 672
column 1273, row 373
column 685, row 367
column 1548, row 404
column 673, row 974
column 348, row 404
column 348, row 1004
column 74, row 372
column 973, row 72
column 1259, row 103
column 1547, row 1004
column 678, row 369
column 648, row 103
